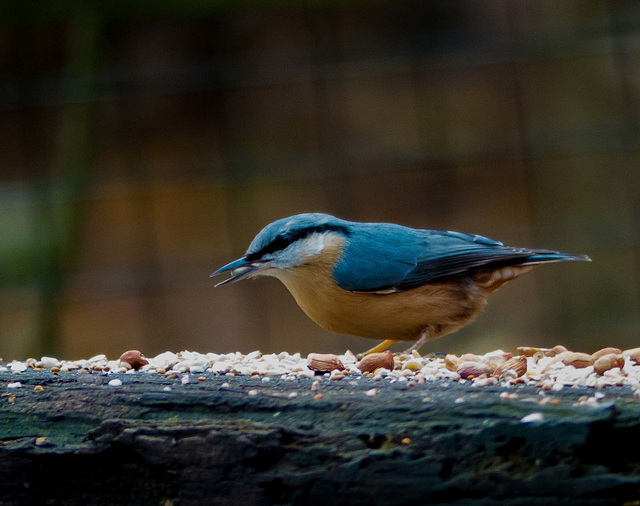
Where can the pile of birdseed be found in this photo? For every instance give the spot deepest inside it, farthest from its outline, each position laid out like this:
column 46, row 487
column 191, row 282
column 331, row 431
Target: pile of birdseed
column 546, row 368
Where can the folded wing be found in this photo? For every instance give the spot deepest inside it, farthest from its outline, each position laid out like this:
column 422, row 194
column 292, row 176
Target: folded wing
column 389, row 258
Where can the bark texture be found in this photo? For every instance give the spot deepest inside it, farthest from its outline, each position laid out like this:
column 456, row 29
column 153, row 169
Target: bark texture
column 80, row 441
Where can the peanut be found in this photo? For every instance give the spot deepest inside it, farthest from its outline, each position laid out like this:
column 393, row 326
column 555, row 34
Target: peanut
column 605, row 351
column 324, row 362
column 517, row 364
column 606, row 362
column 373, row 361
column 577, row 360
column 475, row 369
column 134, row 358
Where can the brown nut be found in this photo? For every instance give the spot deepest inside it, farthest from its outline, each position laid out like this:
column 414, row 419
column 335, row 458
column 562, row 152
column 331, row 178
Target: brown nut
column 605, row 351
column 577, row 360
column 607, row 362
column 375, row 360
column 556, row 350
column 470, row 357
column 530, row 351
column 452, row 362
column 517, row 364
column 633, row 354
column 495, row 362
column 475, row 369
column 134, row 358
column 324, row 362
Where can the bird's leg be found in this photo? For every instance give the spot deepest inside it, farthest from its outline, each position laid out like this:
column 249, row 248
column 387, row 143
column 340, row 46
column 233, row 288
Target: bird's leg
column 424, row 337
column 381, row 347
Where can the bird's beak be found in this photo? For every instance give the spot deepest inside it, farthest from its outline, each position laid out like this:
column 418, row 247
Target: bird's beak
column 239, row 269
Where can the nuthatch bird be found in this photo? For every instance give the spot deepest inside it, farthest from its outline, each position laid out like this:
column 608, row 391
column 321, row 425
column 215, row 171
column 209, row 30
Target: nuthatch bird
column 384, row 281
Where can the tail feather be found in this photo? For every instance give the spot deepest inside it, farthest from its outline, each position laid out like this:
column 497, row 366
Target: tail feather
column 494, row 275
column 542, row 256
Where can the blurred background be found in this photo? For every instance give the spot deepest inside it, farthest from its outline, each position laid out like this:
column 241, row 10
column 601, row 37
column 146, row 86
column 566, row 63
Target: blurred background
column 143, row 145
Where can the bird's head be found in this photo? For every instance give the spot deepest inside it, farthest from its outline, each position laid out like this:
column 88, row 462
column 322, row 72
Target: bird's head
column 286, row 244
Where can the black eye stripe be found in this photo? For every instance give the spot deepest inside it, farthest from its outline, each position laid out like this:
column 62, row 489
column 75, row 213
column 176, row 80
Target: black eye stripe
column 282, row 241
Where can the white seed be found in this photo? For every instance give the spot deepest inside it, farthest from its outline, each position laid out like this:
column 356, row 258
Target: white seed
column 253, row 355
column 115, row 383
column 18, row 367
column 49, row 362
column 15, row 384
column 372, row 393
column 532, row 418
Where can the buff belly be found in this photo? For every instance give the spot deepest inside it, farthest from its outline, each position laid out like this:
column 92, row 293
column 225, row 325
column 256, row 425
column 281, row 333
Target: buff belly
column 439, row 308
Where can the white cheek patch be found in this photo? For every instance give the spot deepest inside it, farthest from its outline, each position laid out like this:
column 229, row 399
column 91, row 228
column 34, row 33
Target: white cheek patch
column 314, row 244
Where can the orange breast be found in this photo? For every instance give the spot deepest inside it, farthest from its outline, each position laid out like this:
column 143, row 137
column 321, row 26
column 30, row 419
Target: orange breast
column 439, row 307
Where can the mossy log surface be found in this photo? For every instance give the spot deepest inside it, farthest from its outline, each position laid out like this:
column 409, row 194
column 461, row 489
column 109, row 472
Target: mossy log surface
column 201, row 443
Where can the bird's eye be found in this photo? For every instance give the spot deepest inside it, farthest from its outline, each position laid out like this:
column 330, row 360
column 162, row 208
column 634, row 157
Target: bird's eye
column 280, row 243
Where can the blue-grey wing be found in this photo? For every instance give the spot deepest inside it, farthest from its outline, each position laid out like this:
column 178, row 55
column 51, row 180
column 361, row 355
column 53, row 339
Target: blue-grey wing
column 385, row 258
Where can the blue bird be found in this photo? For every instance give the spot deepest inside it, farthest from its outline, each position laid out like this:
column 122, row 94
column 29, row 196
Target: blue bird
column 381, row 280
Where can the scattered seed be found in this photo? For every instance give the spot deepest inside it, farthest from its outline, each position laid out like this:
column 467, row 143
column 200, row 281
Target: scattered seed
column 532, row 418
column 549, row 370
column 38, row 388
column 134, row 359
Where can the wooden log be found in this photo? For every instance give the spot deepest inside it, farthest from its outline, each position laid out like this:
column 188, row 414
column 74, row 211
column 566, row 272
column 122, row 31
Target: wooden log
column 80, row 441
